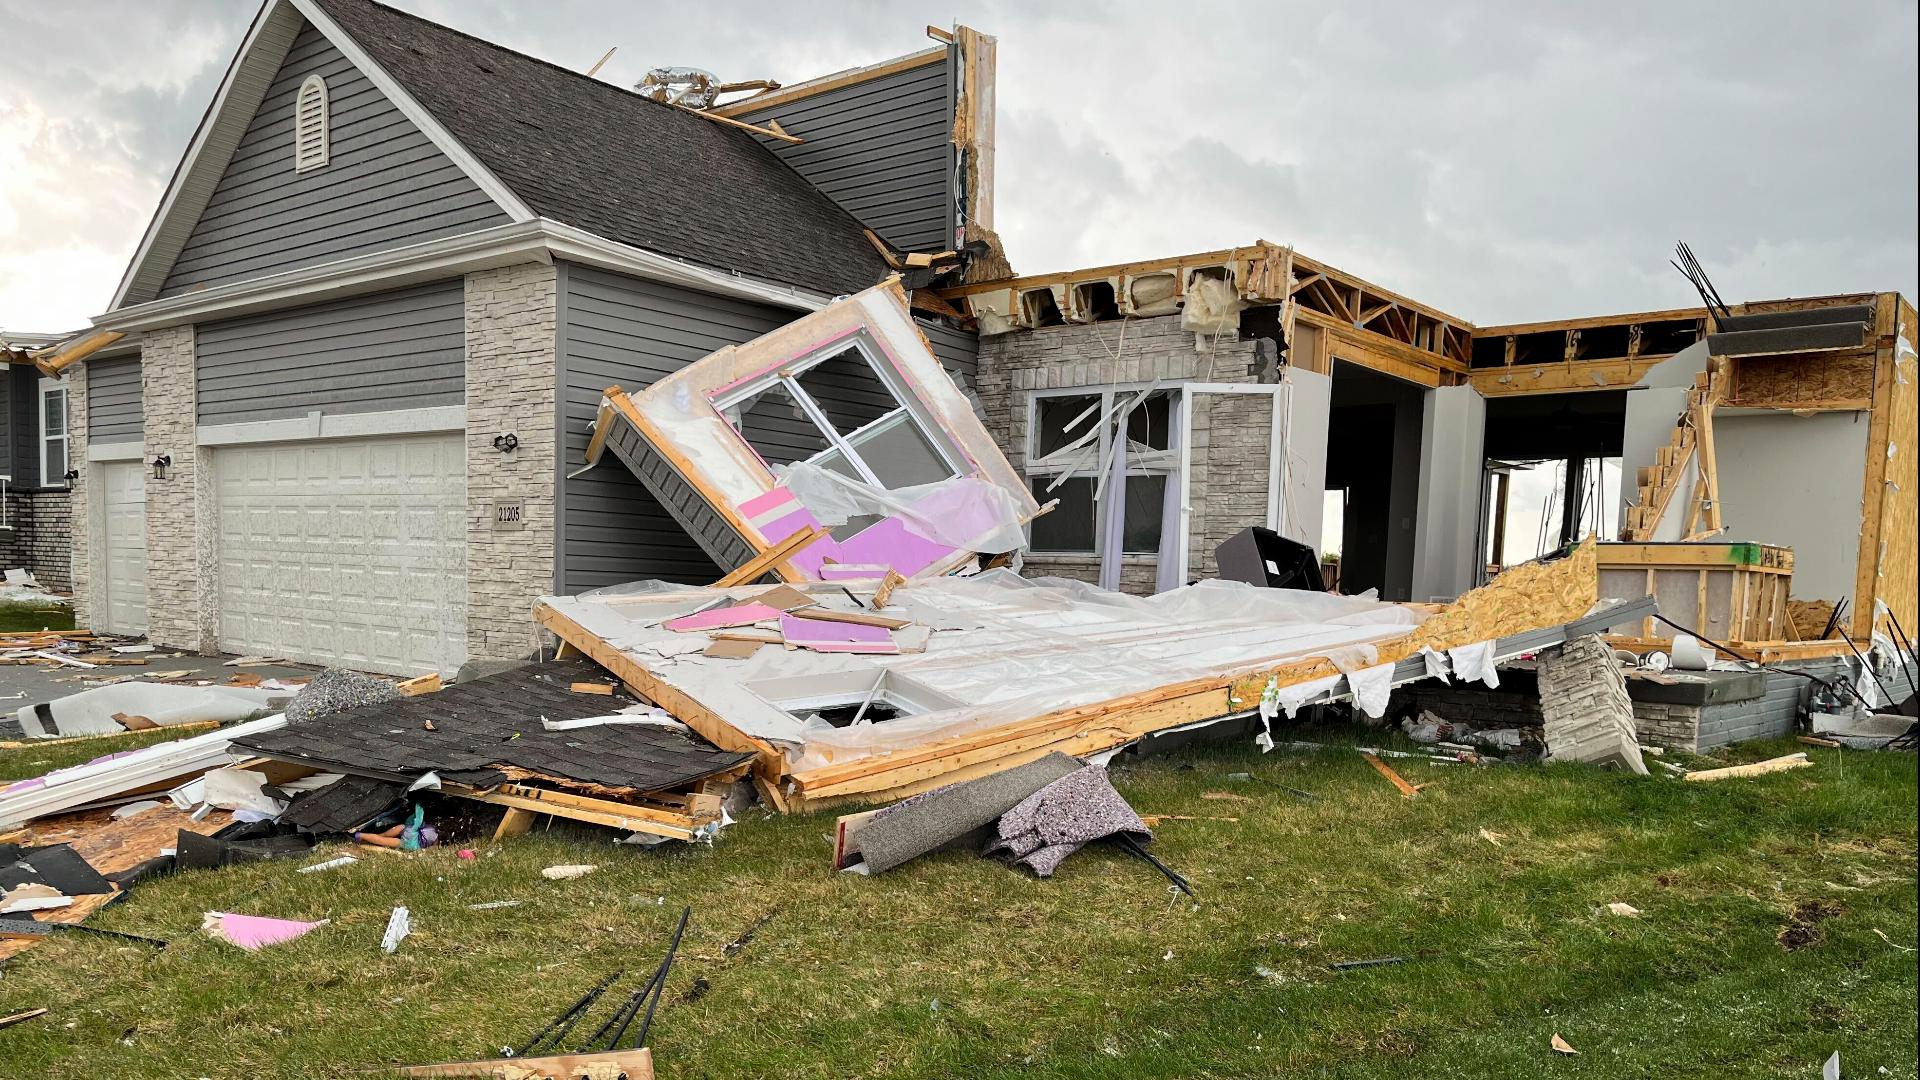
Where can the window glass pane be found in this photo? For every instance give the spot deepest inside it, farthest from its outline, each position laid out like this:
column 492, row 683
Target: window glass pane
column 56, row 462
column 1069, row 526
column 848, row 390
column 55, row 402
column 1146, row 495
column 835, row 461
column 1052, row 415
column 776, row 427
column 900, row 454
column 1150, row 421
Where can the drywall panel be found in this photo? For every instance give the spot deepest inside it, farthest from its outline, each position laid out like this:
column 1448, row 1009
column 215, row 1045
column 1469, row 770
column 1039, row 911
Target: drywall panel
column 1303, row 482
column 1452, row 460
column 1795, row 481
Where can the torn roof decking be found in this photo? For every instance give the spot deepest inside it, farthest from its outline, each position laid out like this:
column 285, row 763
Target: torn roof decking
column 489, row 723
column 679, row 444
column 1089, row 674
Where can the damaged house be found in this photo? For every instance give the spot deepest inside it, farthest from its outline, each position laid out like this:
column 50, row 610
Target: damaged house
column 387, row 287
column 428, row 330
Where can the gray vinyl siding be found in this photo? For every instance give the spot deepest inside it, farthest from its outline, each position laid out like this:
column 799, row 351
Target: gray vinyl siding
column 617, row 330
column 958, row 350
column 385, row 184
column 12, row 425
column 882, row 149
column 394, row 350
column 113, row 400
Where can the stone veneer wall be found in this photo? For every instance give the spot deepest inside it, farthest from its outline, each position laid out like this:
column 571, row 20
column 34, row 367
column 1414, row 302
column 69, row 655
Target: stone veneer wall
column 511, row 377
column 40, row 538
column 1015, row 364
column 177, row 616
column 79, row 518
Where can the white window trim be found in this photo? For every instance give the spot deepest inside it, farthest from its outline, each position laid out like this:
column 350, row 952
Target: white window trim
column 1075, row 461
column 49, row 387
column 788, row 376
column 311, row 130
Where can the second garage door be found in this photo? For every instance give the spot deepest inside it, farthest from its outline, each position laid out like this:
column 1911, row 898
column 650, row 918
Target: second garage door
column 346, row 552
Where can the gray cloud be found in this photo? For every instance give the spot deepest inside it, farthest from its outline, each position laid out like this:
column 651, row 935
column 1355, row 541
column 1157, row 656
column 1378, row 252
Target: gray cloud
column 1503, row 161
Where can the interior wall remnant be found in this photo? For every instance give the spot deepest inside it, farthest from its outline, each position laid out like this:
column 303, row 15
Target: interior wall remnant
column 1651, row 415
column 1373, row 450
column 1795, row 481
column 1447, row 547
column 1307, row 399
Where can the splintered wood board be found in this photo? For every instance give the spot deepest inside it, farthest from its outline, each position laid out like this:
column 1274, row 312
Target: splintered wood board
column 109, row 846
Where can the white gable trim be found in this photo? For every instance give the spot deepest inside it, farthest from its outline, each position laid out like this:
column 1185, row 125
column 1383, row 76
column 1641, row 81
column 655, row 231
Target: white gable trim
column 248, row 77
column 539, row 240
column 442, row 138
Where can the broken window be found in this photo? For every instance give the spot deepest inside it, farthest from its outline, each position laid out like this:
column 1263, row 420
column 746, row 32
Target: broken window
column 840, row 412
column 1073, row 439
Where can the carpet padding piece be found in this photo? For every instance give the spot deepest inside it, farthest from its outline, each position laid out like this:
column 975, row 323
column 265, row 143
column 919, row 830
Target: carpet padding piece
column 1059, row 819
column 930, row 821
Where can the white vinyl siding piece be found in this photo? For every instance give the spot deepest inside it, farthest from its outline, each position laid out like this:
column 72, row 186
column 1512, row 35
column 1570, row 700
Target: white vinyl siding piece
column 310, row 125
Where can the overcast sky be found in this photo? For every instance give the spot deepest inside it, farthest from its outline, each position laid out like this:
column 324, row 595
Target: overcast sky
column 1501, row 162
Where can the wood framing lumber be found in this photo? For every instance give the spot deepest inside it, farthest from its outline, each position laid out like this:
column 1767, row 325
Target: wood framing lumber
column 644, row 684
column 1527, row 597
column 857, row 618
column 69, row 353
column 765, row 562
column 766, row 133
column 892, row 581
column 515, row 822
column 1406, row 790
column 1758, row 768
column 420, row 684
column 800, row 91
column 630, row 1064
column 580, row 808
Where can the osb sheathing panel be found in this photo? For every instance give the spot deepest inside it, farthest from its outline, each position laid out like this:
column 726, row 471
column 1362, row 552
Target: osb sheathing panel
column 1803, row 380
column 1892, row 496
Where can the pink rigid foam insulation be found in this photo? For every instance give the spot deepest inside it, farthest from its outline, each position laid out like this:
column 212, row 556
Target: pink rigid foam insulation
column 718, row 618
column 255, row 932
column 778, row 514
column 891, row 543
column 823, row 635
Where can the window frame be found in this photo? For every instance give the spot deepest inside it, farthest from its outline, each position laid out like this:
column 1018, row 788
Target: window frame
column 906, row 405
column 49, row 387
column 1065, row 461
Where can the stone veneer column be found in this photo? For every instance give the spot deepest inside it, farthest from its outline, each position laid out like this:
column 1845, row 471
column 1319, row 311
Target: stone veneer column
column 511, row 373
column 82, row 527
column 178, row 614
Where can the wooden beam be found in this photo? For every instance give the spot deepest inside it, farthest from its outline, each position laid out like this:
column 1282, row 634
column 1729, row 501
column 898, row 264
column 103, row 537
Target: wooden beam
column 1592, row 321
column 629, row 1064
column 1406, row 790
column 54, row 360
column 765, row 562
column 593, row 811
column 602, row 424
column 729, row 121
column 1758, row 768
column 800, row 91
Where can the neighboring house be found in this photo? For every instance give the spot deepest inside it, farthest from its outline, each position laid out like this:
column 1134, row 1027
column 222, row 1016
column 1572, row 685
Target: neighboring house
column 35, row 514
column 381, row 298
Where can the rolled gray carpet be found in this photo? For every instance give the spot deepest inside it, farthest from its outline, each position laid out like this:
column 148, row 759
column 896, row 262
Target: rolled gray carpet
column 937, row 818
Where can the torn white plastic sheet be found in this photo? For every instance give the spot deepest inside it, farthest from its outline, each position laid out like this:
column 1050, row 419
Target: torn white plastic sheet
column 1436, row 664
column 91, row 712
column 964, row 512
column 399, row 925
column 1371, row 687
column 1475, row 661
column 638, row 714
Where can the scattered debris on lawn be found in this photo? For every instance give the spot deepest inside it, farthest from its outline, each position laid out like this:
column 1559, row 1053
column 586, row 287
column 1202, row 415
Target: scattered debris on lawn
column 1626, row 910
column 399, row 925
column 21, row 1017
column 568, row 871
column 1758, row 768
column 254, row 932
column 1560, row 1046
column 1355, row 965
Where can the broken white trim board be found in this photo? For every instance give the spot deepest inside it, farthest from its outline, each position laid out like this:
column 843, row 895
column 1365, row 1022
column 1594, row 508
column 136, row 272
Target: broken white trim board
column 132, row 770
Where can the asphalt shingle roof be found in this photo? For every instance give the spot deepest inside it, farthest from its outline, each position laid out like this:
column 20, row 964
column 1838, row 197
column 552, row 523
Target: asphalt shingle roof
column 599, row 157
column 495, row 721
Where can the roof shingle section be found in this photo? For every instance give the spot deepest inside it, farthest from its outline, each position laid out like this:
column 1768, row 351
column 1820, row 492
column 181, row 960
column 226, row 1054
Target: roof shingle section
column 596, row 156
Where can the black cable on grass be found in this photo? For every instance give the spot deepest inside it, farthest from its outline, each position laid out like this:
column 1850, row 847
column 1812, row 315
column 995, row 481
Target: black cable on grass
column 1764, row 666
column 660, row 981
column 1132, row 847
column 558, row 1027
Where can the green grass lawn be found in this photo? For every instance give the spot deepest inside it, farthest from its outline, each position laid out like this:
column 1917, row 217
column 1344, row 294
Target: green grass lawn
column 954, row 966
column 15, row 618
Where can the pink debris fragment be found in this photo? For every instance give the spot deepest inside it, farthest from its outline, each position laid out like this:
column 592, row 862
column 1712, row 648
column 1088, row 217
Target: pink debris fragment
column 717, row 618
column 823, row 635
column 254, row 932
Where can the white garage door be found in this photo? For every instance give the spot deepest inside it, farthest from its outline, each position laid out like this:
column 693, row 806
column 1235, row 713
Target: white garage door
column 348, row 552
column 124, row 545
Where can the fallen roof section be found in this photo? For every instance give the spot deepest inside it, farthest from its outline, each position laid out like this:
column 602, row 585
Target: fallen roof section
column 1011, row 670
column 761, row 450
